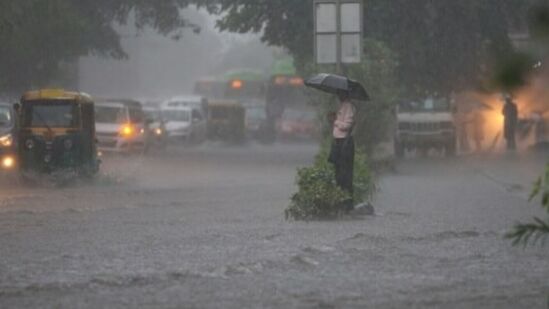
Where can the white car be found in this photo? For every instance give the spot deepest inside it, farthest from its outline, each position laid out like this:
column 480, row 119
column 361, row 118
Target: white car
column 121, row 126
column 184, row 124
column 187, row 101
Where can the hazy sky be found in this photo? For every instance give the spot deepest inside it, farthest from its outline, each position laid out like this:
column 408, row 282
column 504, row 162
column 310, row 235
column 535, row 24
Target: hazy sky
column 159, row 67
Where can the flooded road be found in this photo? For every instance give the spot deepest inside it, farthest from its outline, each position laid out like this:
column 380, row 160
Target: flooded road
column 204, row 228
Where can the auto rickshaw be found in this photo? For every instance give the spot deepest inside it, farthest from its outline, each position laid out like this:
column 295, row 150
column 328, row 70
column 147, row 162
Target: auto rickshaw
column 56, row 133
column 7, row 138
column 226, row 121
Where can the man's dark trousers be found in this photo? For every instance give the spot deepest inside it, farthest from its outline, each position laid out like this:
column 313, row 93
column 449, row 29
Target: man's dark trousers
column 344, row 156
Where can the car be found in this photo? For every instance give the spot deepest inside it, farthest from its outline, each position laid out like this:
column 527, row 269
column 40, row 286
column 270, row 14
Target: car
column 297, row 124
column 56, row 133
column 7, row 137
column 423, row 125
column 192, row 101
column 184, row 124
column 121, row 126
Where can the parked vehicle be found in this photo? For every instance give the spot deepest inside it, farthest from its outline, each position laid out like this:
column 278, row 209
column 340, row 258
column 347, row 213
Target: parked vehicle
column 121, row 126
column 56, row 133
column 7, row 137
column 425, row 125
column 184, row 124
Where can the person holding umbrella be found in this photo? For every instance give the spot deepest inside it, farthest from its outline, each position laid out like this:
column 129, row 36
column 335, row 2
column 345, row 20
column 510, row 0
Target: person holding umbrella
column 342, row 152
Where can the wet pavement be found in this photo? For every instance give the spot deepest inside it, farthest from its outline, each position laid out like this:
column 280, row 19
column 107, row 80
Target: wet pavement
column 204, row 228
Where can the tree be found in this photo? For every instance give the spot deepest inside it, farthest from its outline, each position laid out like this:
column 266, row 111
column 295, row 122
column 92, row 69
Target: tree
column 284, row 23
column 441, row 45
column 38, row 36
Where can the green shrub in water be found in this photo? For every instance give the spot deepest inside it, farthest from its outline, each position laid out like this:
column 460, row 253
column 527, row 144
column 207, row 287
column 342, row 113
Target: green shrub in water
column 319, row 197
column 525, row 233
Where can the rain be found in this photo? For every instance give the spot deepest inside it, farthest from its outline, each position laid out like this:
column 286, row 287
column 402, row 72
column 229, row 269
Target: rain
column 274, row 154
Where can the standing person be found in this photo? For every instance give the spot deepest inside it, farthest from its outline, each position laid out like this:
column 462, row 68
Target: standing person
column 342, row 154
column 510, row 113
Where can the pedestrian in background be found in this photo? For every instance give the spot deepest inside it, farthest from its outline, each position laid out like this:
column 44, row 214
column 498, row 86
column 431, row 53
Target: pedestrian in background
column 510, row 114
column 342, row 153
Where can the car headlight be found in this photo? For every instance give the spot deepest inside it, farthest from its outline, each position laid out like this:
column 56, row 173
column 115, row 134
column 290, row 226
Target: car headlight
column 6, row 140
column 158, row 131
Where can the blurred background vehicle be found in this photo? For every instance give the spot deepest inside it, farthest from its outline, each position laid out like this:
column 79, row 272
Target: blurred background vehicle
column 425, row 125
column 256, row 118
column 121, row 126
column 226, row 121
column 194, row 101
column 297, row 124
column 185, row 123
column 157, row 126
column 264, row 95
column 7, row 137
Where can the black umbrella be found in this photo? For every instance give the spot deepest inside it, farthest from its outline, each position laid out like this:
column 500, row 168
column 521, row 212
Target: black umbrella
column 332, row 83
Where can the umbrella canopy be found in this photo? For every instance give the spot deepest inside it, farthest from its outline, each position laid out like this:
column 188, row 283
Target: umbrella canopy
column 332, row 83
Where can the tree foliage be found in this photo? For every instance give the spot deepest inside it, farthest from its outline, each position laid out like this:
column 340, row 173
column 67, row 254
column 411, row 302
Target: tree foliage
column 39, row 36
column 442, row 45
column 538, row 229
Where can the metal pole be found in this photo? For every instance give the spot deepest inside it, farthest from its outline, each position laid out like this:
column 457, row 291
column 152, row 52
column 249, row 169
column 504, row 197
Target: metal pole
column 338, row 36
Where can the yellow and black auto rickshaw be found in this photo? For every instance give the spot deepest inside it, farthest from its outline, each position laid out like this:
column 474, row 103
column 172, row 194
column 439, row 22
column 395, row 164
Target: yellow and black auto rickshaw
column 7, row 138
column 56, row 132
column 226, row 121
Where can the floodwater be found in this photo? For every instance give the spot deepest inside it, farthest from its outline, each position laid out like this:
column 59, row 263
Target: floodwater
column 204, row 228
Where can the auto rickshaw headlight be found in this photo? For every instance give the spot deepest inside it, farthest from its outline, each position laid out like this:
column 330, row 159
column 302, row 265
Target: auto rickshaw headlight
column 8, row 162
column 6, row 140
column 68, row 144
column 29, row 144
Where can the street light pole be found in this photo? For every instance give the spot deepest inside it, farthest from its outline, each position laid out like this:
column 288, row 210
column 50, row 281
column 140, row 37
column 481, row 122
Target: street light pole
column 338, row 36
